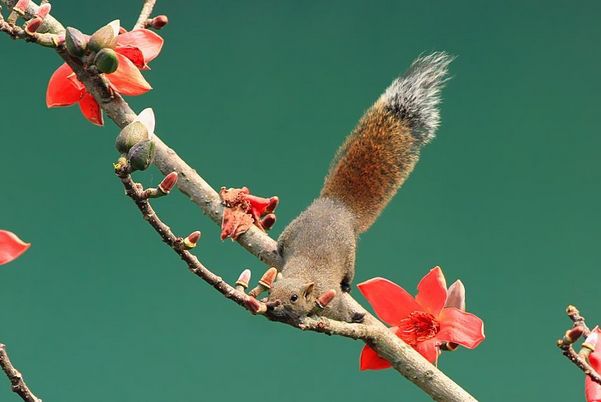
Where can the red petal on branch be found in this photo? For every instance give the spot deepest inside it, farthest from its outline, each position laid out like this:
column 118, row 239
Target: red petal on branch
column 390, row 301
column 63, row 88
column 134, row 54
column 429, row 349
column 460, row 327
column 147, row 41
column 11, row 246
column 432, row 291
column 128, row 80
column 91, row 109
column 370, row 360
column 592, row 390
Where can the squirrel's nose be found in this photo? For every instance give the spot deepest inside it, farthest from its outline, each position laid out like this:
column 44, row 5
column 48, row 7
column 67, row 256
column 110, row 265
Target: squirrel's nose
column 274, row 305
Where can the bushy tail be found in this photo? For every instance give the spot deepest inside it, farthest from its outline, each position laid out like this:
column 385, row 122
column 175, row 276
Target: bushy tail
column 380, row 153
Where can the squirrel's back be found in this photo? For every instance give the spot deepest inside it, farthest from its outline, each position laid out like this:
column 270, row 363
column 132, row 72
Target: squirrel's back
column 380, row 153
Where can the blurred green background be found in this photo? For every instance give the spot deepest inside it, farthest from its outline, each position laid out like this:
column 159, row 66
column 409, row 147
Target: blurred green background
column 260, row 94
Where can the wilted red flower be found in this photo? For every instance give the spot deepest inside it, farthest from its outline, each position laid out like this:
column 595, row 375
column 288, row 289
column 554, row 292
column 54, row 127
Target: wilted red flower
column 11, row 246
column 422, row 322
column 134, row 50
column 242, row 210
column 592, row 390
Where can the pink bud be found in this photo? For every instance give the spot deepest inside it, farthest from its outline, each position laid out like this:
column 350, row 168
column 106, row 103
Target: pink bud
column 44, row 10
column 34, row 24
column 21, row 6
column 591, row 340
column 191, row 240
column 268, row 221
column 255, row 306
column 273, row 203
column 573, row 334
column 244, row 279
column 268, row 277
column 456, row 296
column 168, row 182
column 159, row 21
column 326, row 298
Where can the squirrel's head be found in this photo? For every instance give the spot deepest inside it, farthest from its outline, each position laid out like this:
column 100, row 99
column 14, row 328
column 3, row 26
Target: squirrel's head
column 294, row 298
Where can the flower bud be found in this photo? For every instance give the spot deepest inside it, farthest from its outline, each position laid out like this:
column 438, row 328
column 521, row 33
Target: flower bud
column 325, row 299
column 130, row 135
column 591, row 341
column 106, row 61
column 33, row 25
column 44, row 10
column 456, row 296
column 103, row 38
column 159, row 21
column 243, row 279
column 191, row 240
column 168, row 182
column 141, row 155
column 21, row 6
column 75, row 41
column 268, row 277
column 255, row 306
column 268, row 221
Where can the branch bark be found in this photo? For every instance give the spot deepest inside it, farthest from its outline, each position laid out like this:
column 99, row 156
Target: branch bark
column 402, row 357
column 18, row 384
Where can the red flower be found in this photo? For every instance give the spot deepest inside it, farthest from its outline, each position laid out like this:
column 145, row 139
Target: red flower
column 592, row 390
column 11, row 246
column 134, row 50
column 422, row 322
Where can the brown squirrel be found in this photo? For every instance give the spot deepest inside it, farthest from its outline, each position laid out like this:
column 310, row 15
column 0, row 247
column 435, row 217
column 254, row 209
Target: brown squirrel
column 318, row 247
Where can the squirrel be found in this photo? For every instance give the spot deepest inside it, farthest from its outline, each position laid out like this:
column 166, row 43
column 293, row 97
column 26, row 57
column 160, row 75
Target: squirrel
column 318, row 247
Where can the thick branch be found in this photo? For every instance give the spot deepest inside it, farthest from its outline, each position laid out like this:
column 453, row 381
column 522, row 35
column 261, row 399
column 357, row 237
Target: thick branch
column 18, row 384
column 144, row 14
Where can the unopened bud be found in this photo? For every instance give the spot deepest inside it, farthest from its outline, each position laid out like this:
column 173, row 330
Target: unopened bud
column 273, row 203
column 456, row 296
column 75, row 41
column 131, row 134
column 572, row 334
column 103, row 38
column 33, row 25
column 255, row 306
column 325, row 299
column 168, row 182
column 190, row 241
column 141, row 155
column 268, row 221
column 44, row 10
column 268, row 278
column 449, row 346
column 591, row 341
column 159, row 21
column 243, row 280
column 21, row 6
column 106, row 61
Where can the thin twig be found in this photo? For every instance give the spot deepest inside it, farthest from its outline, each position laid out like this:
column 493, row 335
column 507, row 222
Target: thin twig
column 580, row 362
column 144, row 14
column 18, row 384
column 16, row 32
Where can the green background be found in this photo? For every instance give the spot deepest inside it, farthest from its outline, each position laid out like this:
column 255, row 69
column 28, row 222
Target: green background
column 260, row 93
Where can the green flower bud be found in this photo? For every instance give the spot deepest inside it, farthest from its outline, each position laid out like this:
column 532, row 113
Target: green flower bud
column 106, row 61
column 131, row 134
column 141, row 155
column 76, row 42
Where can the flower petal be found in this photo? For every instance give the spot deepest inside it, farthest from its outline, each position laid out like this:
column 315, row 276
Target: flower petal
column 370, row 360
column 11, row 246
column 147, row 41
column 460, row 327
column 91, row 110
column 391, row 302
column 432, row 291
column 63, row 88
column 128, row 80
column 134, row 54
column 146, row 117
column 429, row 349
column 592, row 390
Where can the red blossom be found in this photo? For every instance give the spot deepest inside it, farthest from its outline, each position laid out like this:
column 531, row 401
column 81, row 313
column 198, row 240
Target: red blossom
column 592, row 390
column 11, row 246
column 243, row 209
column 422, row 322
column 134, row 50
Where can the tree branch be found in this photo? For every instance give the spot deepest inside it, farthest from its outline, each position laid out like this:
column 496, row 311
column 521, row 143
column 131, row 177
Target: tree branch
column 402, row 357
column 16, row 378
column 144, row 14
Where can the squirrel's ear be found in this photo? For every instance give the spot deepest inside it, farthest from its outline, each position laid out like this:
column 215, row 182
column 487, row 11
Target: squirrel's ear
column 308, row 289
column 279, row 277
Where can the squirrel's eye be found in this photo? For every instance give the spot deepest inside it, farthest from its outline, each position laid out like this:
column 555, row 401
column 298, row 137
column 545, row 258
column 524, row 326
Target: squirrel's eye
column 294, row 298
